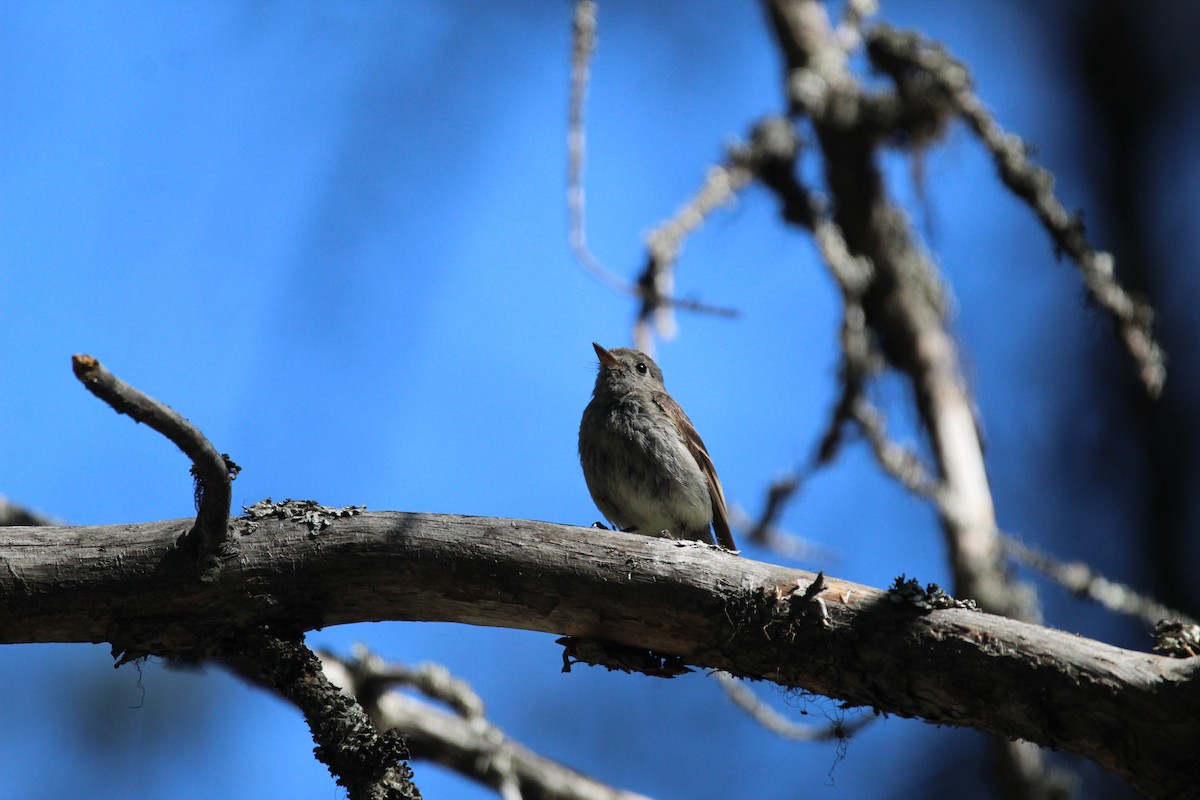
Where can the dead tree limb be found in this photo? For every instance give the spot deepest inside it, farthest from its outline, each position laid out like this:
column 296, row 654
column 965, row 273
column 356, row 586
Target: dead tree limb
column 463, row 739
column 1137, row 714
column 367, row 762
column 214, row 472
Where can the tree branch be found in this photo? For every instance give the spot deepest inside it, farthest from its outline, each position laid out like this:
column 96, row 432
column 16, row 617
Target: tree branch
column 903, row 298
column 366, row 762
column 654, row 287
column 214, row 471
column 904, row 55
column 902, row 302
column 463, row 741
column 1135, row 713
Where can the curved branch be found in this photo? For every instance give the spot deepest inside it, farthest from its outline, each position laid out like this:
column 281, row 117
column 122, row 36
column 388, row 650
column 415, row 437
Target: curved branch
column 214, row 471
column 464, row 741
column 1135, row 713
column 900, row 51
column 366, row 762
column 654, row 287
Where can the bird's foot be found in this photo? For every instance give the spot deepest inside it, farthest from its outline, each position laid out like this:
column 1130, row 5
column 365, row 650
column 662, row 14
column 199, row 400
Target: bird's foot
column 659, row 535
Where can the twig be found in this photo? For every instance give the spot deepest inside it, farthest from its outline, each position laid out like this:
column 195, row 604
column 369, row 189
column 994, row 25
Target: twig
column 1084, row 581
column 583, row 46
column 771, row 156
column 463, row 741
column 896, row 460
column 372, row 673
column 857, row 11
column 656, row 284
column 766, row 532
column 213, row 470
column 654, row 287
column 1035, row 186
column 780, row 725
column 778, row 495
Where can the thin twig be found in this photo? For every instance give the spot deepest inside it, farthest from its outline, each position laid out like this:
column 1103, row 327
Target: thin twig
column 1084, row 581
column 780, row 725
column 656, row 284
column 766, row 532
column 583, row 46
column 900, row 462
column 850, row 30
column 1035, row 186
column 213, row 470
column 778, row 495
column 432, row 680
column 654, row 287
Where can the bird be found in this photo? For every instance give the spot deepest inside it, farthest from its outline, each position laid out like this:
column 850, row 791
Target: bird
column 645, row 465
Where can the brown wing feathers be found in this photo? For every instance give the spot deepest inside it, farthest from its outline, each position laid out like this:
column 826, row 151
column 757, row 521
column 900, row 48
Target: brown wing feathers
column 695, row 445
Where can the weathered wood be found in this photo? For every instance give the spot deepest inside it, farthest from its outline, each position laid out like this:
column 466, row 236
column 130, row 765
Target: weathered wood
column 1136, row 713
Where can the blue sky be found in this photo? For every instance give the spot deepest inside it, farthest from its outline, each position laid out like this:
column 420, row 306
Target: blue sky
column 334, row 237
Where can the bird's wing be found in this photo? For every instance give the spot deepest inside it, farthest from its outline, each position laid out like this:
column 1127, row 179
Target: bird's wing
column 699, row 452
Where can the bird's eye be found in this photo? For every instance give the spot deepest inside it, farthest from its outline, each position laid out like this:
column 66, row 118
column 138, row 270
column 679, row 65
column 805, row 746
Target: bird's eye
column 641, row 368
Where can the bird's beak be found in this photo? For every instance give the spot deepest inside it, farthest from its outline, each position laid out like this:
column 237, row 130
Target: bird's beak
column 607, row 359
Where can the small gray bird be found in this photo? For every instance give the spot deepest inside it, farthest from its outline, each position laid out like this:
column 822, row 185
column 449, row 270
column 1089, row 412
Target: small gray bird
column 644, row 463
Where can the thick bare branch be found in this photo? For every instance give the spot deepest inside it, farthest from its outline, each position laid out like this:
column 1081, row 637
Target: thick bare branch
column 1136, row 713
column 903, row 303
